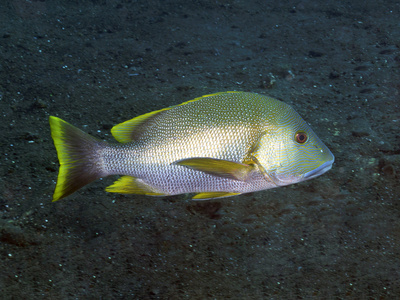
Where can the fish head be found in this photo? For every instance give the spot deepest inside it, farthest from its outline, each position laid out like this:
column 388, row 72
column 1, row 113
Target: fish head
column 289, row 151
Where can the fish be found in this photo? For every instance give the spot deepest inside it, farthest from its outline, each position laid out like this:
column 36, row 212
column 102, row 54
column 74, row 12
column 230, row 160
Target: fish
column 214, row 146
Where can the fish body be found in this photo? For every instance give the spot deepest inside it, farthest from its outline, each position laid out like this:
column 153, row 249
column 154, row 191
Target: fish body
column 217, row 145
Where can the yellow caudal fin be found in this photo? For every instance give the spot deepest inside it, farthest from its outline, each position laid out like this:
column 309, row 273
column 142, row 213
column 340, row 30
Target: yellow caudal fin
column 77, row 152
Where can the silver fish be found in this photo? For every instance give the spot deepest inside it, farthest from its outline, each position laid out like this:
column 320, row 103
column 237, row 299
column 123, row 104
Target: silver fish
column 218, row 145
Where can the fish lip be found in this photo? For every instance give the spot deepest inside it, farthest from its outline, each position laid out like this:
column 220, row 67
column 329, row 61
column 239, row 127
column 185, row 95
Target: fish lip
column 326, row 166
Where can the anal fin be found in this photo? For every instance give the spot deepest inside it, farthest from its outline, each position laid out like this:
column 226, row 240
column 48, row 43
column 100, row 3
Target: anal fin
column 132, row 185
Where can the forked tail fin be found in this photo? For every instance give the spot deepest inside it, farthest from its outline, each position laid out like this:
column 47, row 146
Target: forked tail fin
column 79, row 156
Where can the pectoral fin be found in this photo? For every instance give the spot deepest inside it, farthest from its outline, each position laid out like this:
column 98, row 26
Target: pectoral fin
column 217, row 167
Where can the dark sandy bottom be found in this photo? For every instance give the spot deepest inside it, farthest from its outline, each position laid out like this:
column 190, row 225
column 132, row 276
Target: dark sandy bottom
column 98, row 63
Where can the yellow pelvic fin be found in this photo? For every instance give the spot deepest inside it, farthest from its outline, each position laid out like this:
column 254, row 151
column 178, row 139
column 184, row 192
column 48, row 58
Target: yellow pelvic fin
column 127, row 131
column 217, row 167
column 132, row 185
column 78, row 155
column 213, row 195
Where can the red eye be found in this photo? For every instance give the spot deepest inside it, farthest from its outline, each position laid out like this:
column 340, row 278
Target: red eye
column 301, row 137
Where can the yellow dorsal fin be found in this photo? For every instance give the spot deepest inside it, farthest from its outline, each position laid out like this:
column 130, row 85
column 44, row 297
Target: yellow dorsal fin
column 213, row 195
column 217, row 167
column 125, row 132
column 132, row 185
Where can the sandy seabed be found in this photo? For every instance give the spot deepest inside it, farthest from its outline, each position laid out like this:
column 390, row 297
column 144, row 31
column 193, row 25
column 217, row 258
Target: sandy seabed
column 99, row 63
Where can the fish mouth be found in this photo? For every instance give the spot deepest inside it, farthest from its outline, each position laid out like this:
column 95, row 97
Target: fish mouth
column 326, row 166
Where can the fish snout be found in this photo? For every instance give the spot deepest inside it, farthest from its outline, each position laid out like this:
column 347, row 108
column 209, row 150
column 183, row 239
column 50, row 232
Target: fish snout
column 325, row 167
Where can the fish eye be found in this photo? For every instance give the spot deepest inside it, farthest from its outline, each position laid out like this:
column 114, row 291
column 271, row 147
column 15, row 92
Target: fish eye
column 301, row 137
